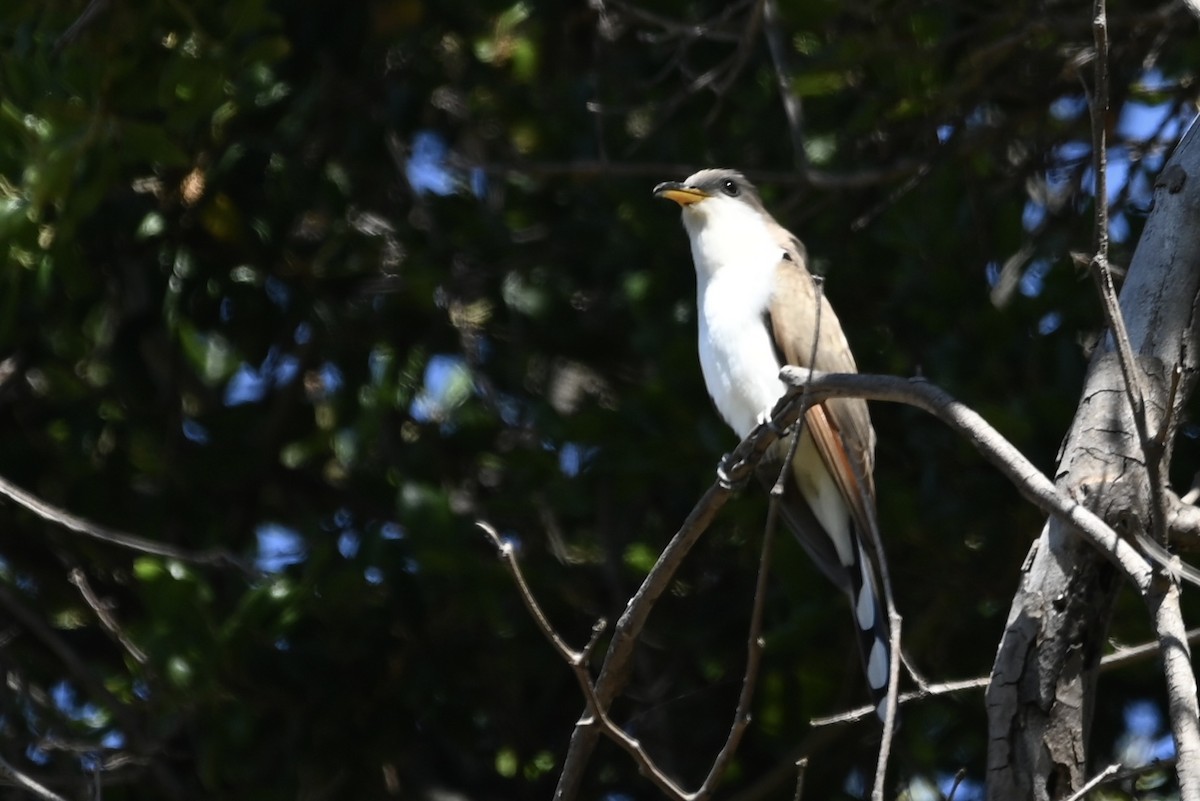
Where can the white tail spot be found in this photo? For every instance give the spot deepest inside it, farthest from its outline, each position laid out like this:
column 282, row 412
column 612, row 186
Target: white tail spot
column 877, row 666
column 865, row 609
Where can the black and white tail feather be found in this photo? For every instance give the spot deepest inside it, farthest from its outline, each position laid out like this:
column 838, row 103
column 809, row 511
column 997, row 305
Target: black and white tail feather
column 858, row 580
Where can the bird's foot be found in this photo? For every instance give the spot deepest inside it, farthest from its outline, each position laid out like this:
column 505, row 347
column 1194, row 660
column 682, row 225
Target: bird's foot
column 724, row 468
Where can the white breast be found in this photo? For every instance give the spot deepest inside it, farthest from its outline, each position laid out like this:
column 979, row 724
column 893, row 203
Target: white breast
column 736, row 258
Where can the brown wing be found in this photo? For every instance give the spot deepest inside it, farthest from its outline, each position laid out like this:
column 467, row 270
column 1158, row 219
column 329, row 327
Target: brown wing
column 798, row 314
column 841, row 427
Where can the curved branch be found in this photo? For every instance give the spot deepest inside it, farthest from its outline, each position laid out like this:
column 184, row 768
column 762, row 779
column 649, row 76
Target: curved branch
column 216, row 557
column 1027, row 479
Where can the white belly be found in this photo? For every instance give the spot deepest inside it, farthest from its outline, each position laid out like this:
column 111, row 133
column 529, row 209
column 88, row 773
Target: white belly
column 737, row 355
column 741, row 372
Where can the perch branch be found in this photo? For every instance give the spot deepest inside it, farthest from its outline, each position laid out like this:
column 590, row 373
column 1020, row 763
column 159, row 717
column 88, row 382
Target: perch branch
column 615, row 667
column 1027, row 479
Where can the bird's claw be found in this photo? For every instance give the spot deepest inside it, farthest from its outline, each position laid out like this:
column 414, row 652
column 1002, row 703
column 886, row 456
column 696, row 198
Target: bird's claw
column 723, row 477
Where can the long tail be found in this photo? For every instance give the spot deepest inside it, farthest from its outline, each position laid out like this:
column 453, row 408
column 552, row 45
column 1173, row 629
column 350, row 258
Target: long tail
column 874, row 631
column 857, row 579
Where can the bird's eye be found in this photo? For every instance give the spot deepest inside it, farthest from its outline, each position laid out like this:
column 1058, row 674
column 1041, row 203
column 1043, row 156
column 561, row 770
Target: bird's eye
column 730, row 188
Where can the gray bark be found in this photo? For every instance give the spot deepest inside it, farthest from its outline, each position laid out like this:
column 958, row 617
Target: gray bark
column 1044, row 679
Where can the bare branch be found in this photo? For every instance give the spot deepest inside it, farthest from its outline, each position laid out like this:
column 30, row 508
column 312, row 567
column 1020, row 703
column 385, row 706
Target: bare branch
column 711, row 29
column 791, row 103
column 1102, row 273
column 754, row 651
column 90, row 14
column 216, row 557
column 75, row 665
column 106, row 618
column 958, row 779
column 1027, row 479
column 740, row 57
column 1121, row 656
column 578, row 663
column 615, row 667
column 577, row 660
column 1182, row 708
column 801, row 767
column 594, row 168
column 889, row 718
column 916, row 392
column 1094, row 782
column 1163, row 601
column 18, row 778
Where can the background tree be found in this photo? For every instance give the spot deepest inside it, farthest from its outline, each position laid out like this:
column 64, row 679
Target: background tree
column 296, row 292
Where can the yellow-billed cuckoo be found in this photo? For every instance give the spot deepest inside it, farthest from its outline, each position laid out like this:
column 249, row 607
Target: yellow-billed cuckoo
column 758, row 310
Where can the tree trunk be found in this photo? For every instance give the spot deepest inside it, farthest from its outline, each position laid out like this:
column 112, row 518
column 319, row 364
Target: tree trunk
column 1043, row 682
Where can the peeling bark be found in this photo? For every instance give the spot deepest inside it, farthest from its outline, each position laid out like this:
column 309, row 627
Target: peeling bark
column 1044, row 679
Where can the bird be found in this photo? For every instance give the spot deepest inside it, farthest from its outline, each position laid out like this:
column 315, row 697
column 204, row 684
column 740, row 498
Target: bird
column 759, row 308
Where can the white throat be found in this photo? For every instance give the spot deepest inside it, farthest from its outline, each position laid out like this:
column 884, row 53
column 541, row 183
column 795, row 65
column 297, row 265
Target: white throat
column 736, row 257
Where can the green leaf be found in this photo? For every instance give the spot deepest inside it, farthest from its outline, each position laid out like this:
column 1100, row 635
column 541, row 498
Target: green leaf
column 148, row 568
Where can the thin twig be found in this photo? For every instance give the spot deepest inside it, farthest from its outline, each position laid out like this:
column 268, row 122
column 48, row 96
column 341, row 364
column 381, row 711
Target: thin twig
column 75, row 665
column 863, row 178
column 1163, row 597
column 892, row 702
column 106, row 618
column 754, row 652
column 25, row 783
column 509, row 557
column 578, row 663
column 958, row 780
column 740, row 57
column 614, row 669
column 1132, row 772
column 915, row 674
column 1102, row 272
column 776, row 44
column 577, row 660
column 876, row 543
column 880, row 557
column 1119, row 658
column 786, row 469
column 688, row 31
column 801, row 767
column 1094, row 782
column 215, row 557
column 90, row 14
